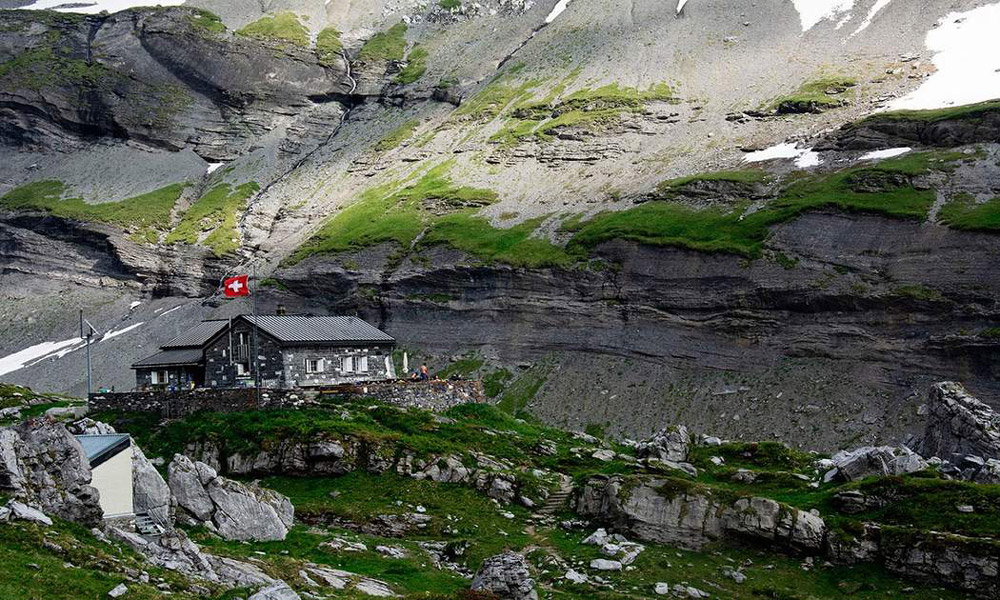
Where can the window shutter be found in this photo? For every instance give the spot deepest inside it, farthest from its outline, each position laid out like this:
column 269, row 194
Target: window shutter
column 363, row 366
column 321, row 365
column 348, row 364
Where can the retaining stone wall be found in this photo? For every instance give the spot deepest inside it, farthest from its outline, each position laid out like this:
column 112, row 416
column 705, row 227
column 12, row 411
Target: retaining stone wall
column 432, row 395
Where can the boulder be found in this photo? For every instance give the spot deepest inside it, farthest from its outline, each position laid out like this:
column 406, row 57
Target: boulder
column 506, row 576
column 765, row 519
column 118, row 591
column 188, row 487
column 176, row 552
column 878, row 461
column 150, row 493
column 656, row 510
column 958, row 423
column 238, row 511
column 88, row 426
column 278, row 590
column 603, row 564
column 668, row 444
column 44, row 465
column 249, row 511
column 22, row 512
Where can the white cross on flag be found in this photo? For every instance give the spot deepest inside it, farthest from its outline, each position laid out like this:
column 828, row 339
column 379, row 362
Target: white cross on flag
column 236, row 286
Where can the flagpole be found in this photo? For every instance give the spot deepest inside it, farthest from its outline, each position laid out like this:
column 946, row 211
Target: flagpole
column 256, row 360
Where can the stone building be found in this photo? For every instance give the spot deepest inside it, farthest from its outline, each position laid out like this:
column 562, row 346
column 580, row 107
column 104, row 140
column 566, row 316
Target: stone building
column 292, row 350
column 180, row 363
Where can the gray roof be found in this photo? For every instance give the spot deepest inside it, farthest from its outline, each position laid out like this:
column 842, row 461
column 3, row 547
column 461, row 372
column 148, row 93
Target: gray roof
column 198, row 335
column 101, row 447
column 171, row 358
column 298, row 329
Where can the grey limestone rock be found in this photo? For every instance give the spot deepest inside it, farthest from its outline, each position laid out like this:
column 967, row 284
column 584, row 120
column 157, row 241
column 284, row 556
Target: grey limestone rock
column 506, row 575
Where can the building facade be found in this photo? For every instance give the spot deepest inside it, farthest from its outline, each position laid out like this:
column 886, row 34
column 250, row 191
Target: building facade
column 110, row 458
column 291, row 351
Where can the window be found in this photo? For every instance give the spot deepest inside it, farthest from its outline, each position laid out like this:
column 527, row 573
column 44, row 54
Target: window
column 242, row 369
column 314, row 365
column 362, row 364
column 347, row 364
column 158, row 377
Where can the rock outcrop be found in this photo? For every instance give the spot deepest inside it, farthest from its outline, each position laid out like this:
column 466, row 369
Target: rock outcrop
column 506, row 576
column 959, row 424
column 237, row 511
column 876, row 461
column 150, row 493
column 494, row 477
column 676, row 512
column 45, row 466
column 668, row 444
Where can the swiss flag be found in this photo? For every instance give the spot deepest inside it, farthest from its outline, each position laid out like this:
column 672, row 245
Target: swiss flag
column 236, row 286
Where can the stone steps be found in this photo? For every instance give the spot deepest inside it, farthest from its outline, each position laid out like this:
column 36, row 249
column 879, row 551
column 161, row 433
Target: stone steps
column 146, row 526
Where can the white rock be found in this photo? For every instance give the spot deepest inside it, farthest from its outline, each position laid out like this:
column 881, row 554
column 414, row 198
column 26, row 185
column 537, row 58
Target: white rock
column 23, row 512
column 602, row 564
column 576, row 576
column 118, row 591
column 662, row 589
column 598, row 538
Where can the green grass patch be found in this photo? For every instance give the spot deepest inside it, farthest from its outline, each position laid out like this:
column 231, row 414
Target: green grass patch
column 397, row 136
column 146, row 215
column 449, row 4
column 964, row 112
column 965, row 214
column 816, row 96
column 929, row 503
column 495, row 381
column 522, row 390
column 385, row 45
column 206, row 21
column 990, row 333
column 282, row 27
column 35, row 566
column 463, row 367
column 416, row 66
column 328, row 46
column 390, row 213
column 744, row 176
column 215, row 213
column 918, row 292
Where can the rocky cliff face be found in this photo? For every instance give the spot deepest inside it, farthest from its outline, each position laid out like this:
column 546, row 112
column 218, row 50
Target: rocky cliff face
column 828, row 331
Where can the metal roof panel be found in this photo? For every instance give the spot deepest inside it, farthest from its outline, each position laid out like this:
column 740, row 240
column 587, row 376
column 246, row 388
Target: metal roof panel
column 198, row 335
column 169, row 358
column 304, row 329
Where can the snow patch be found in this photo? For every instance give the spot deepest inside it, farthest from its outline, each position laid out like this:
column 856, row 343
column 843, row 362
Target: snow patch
column 556, row 11
column 804, row 157
column 113, row 334
column 24, row 358
column 134, row 304
column 967, row 57
column 112, row 6
column 178, row 307
column 680, row 5
column 878, row 6
column 807, row 159
column 212, row 167
column 812, row 12
column 888, row 153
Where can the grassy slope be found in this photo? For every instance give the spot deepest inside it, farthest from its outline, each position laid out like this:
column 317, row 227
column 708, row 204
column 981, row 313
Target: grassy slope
column 965, row 214
column 328, row 45
column 283, row 27
column 459, row 514
column 31, row 570
column 385, row 45
column 216, row 212
column 146, row 215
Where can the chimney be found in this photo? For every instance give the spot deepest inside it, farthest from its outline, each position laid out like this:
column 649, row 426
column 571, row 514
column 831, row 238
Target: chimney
column 281, row 309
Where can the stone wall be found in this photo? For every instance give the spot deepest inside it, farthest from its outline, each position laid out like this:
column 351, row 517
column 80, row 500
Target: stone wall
column 432, row 395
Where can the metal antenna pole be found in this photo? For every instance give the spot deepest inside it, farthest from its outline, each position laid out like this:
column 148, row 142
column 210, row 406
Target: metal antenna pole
column 89, row 331
column 256, row 359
